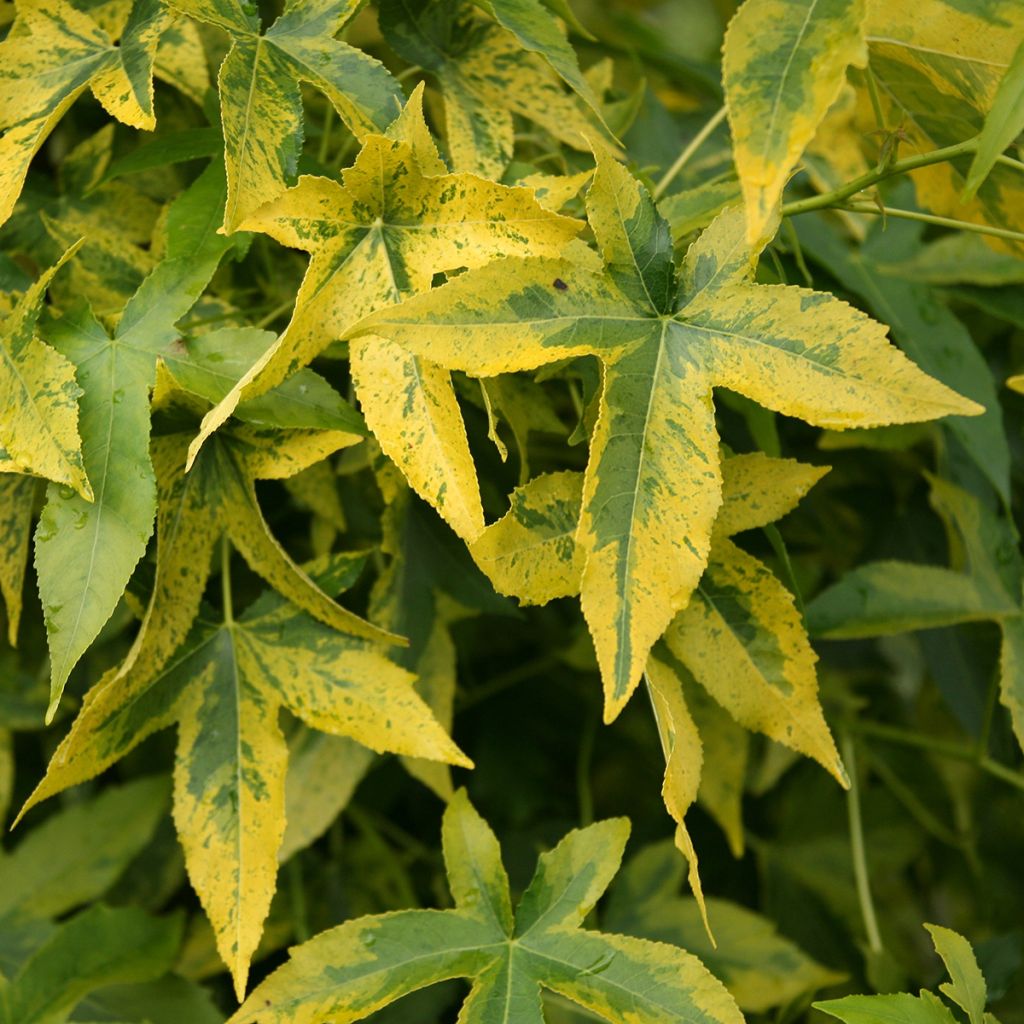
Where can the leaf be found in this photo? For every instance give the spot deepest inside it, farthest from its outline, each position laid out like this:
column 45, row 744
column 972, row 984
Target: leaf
column 61, row 54
column 261, row 105
column 783, row 63
column 895, row 1009
column 652, row 487
column 1003, row 123
column 76, row 854
column 383, row 234
column 17, row 497
column 938, row 67
column 224, row 688
column 348, row 972
column 86, row 551
column 537, row 31
column 99, row 947
column 531, row 553
column 486, row 76
column 761, row 968
column 40, row 396
column 883, row 598
column 967, row 985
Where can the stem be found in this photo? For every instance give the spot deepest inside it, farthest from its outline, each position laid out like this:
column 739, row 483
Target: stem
column 1008, row 161
column 944, row 748
column 297, row 899
column 225, row 579
column 910, row 163
column 695, row 143
column 584, row 760
column 274, row 314
column 860, row 864
column 930, row 218
column 798, row 253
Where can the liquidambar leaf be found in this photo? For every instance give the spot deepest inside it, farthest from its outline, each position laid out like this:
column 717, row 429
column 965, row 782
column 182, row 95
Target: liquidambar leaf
column 349, row 972
column 224, row 688
column 39, row 396
column 653, row 485
column 784, row 63
column 56, row 55
column 397, row 220
column 261, row 105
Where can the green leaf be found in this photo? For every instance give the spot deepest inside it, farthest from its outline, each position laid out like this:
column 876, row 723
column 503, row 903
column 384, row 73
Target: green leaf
column 348, row 972
column 1003, row 123
column 882, row 598
column 98, row 947
column 261, row 106
column 76, row 854
column 652, row 487
column 783, row 63
column 967, row 985
column 895, row 1009
column 86, row 550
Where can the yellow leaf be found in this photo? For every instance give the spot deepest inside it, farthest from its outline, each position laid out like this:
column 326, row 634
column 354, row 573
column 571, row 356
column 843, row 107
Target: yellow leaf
column 17, row 494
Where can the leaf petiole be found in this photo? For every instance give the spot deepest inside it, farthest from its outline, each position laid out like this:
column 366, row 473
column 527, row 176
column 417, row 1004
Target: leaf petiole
column 684, row 157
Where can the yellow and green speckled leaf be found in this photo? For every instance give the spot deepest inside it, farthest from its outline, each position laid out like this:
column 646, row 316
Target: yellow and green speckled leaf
column 261, row 105
column 653, row 486
column 486, row 75
column 784, row 63
column 939, row 65
column 51, row 57
column 347, row 973
column 39, row 395
column 377, row 237
column 684, row 757
column 531, row 552
column 17, row 496
column 224, row 688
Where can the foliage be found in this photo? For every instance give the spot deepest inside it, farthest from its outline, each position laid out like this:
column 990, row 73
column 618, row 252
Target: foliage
column 345, row 345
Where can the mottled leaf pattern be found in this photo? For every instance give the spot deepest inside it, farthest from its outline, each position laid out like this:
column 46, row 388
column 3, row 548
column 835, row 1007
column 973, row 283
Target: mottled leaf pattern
column 652, row 486
column 348, row 972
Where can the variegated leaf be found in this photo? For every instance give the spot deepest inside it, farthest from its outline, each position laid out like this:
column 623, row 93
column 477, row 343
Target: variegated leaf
column 224, row 688
column 377, row 237
column 56, row 53
column 784, row 62
column 652, row 486
column 261, row 106
column 348, row 972
column 939, row 65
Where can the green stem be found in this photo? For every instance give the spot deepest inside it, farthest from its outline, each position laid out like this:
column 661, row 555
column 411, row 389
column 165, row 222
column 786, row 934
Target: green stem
column 225, row 579
column 1008, row 161
column 274, row 314
column 684, row 157
column 584, row 760
column 944, row 748
column 860, row 864
column 910, row 163
column 931, row 218
column 297, row 899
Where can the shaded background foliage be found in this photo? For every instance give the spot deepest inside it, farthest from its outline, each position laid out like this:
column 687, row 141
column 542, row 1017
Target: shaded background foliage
column 916, row 712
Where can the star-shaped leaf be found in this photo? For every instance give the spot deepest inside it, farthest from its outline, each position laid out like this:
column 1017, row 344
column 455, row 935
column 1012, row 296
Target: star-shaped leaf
column 224, row 687
column 54, row 53
column 39, row 396
column 260, row 100
column 395, row 221
column 653, row 485
column 86, row 550
column 345, row 974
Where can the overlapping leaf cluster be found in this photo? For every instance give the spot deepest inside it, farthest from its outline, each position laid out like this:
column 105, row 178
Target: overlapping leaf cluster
column 344, row 346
